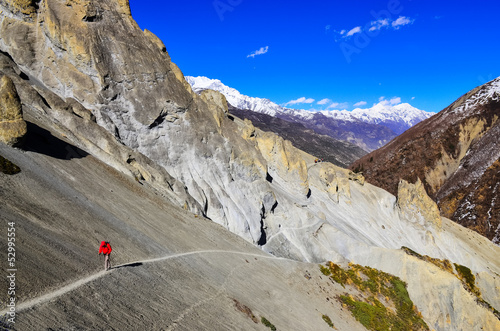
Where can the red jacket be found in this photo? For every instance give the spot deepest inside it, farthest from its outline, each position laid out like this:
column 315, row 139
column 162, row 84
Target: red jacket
column 105, row 248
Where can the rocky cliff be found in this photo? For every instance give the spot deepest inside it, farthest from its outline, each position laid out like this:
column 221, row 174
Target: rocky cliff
column 86, row 72
column 455, row 154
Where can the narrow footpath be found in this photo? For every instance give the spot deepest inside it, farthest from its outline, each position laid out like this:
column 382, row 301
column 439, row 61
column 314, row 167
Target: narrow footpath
column 70, row 287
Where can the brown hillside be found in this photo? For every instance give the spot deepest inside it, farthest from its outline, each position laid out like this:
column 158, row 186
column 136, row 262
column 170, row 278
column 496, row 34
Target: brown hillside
column 456, row 156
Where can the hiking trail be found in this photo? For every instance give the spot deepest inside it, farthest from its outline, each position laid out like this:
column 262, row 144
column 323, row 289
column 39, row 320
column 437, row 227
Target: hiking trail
column 72, row 286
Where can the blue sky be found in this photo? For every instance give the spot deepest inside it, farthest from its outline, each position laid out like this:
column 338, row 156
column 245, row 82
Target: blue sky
column 332, row 54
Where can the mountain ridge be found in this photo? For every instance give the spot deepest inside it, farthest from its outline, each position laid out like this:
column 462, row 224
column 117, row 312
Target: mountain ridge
column 398, row 117
column 323, row 147
column 460, row 167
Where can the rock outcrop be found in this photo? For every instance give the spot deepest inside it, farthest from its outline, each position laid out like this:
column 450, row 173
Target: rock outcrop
column 12, row 125
column 85, row 70
column 415, row 205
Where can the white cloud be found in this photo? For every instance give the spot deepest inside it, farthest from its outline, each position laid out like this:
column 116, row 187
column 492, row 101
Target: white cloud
column 324, row 101
column 391, row 102
column 260, row 51
column 338, row 105
column 360, row 104
column 395, row 101
column 353, row 31
column 379, row 24
column 402, row 20
column 300, row 100
column 413, row 98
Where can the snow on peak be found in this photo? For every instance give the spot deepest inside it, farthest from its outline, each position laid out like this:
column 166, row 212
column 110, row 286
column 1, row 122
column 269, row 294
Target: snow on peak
column 384, row 112
column 234, row 97
column 482, row 95
column 397, row 117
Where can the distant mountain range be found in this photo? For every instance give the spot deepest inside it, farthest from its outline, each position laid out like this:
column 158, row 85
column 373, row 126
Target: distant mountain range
column 456, row 155
column 324, row 147
column 369, row 128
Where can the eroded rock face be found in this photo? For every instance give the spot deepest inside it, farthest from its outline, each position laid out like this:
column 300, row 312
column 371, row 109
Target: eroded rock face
column 415, row 205
column 12, row 125
column 22, row 7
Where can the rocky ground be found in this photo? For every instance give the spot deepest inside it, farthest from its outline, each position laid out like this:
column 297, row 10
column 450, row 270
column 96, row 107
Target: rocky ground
column 204, row 277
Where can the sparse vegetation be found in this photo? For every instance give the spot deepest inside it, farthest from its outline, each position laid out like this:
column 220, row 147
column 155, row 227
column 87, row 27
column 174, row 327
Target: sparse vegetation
column 468, row 279
column 328, row 321
column 463, row 273
column 267, row 323
column 245, row 310
column 442, row 264
column 326, row 271
column 385, row 303
column 411, row 252
column 372, row 315
column 8, row 167
column 488, row 306
column 359, row 169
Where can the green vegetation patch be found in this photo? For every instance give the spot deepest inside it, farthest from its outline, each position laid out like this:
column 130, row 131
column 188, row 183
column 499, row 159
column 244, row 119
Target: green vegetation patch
column 468, row 279
column 373, row 315
column 328, row 321
column 385, row 303
column 8, row 167
column 267, row 323
column 336, row 273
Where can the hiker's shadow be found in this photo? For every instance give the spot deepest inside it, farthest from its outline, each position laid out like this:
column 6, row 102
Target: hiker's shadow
column 129, row 265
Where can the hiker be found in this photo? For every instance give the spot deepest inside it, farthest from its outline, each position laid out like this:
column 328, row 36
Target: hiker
column 105, row 249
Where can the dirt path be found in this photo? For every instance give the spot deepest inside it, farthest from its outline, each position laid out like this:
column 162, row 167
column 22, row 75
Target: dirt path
column 70, row 287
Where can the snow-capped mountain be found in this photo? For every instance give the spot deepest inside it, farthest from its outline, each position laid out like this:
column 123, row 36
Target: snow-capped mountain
column 234, row 97
column 398, row 118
